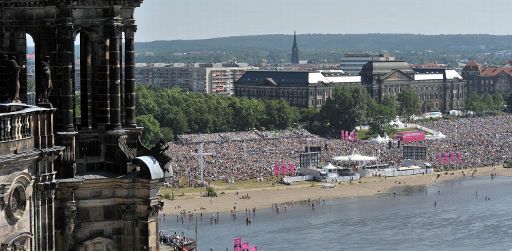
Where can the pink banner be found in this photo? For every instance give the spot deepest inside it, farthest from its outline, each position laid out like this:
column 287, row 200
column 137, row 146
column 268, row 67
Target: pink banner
column 292, row 168
column 276, row 169
column 283, row 169
column 452, row 156
column 342, row 135
column 245, row 246
column 459, row 157
column 253, row 249
column 346, row 135
column 237, row 244
column 445, row 158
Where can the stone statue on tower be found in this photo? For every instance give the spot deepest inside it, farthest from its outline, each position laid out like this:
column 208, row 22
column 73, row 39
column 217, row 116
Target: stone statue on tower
column 46, row 85
column 14, row 79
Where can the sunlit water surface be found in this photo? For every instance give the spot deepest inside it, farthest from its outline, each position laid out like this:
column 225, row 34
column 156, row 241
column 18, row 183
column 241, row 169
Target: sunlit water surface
column 453, row 215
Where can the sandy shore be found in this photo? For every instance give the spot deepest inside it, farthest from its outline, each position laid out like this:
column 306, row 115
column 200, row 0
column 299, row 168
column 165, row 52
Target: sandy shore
column 265, row 197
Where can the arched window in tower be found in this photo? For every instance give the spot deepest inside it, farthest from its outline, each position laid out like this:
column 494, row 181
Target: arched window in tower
column 30, row 70
column 77, row 81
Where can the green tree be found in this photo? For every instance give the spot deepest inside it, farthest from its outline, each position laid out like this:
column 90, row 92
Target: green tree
column 391, row 103
column 151, row 132
column 146, row 101
column 278, row 114
column 409, row 103
column 509, row 103
column 488, row 103
column 471, row 100
column 249, row 113
column 345, row 109
column 379, row 116
column 499, row 102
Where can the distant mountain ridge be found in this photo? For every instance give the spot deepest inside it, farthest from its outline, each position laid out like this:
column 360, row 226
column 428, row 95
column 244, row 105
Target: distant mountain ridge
column 346, row 42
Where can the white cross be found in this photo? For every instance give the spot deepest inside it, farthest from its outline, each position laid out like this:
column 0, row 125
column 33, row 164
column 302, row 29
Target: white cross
column 201, row 155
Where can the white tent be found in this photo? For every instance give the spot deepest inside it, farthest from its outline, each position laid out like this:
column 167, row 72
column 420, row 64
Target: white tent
column 329, row 166
column 437, row 135
column 397, row 123
column 440, row 135
column 354, row 157
column 378, row 139
column 386, row 137
column 405, row 168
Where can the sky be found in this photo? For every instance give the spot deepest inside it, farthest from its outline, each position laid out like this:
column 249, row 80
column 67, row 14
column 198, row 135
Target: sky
column 199, row 19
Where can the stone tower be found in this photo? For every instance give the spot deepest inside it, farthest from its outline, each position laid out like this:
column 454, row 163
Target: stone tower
column 89, row 183
column 295, row 50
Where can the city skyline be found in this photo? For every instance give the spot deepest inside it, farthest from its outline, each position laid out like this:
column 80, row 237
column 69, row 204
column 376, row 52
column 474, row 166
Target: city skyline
column 195, row 19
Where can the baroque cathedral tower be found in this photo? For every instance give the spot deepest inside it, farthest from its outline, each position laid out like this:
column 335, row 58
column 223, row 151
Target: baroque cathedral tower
column 295, row 50
column 69, row 181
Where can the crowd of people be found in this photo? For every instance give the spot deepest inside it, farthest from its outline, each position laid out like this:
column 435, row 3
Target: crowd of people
column 479, row 141
column 175, row 239
column 238, row 136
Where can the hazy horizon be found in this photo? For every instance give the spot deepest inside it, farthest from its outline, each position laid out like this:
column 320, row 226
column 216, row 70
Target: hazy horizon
column 197, row 19
column 299, row 34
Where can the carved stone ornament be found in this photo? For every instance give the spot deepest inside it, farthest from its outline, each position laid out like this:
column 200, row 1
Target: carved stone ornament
column 159, row 151
column 70, row 214
column 153, row 210
column 16, row 204
column 127, row 211
column 49, row 189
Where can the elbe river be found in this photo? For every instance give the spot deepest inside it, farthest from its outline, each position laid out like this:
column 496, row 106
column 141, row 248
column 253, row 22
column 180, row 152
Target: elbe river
column 474, row 213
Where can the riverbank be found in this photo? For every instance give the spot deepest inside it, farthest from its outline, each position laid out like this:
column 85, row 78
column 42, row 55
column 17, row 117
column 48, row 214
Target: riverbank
column 233, row 197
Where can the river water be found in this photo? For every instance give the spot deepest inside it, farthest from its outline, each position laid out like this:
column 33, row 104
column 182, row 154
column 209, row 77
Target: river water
column 453, row 215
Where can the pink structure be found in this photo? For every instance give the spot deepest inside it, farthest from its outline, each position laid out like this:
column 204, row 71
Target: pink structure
column 237, row 244
column 291, row 166
column 407, row 137
column 276, row 169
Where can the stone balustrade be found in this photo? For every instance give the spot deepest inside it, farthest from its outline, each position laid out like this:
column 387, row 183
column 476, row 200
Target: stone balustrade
column 15, row 127
column 24, row 128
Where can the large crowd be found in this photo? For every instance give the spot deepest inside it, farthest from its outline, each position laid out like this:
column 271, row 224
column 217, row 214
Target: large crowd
column 479, row 141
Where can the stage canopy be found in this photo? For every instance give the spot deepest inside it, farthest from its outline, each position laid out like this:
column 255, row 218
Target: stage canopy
column 329, row 166
column 355, row 157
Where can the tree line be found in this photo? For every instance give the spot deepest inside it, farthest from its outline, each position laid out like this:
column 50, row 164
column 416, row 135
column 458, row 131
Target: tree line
column 485, row 104
column 168, row 112
column 165, row 113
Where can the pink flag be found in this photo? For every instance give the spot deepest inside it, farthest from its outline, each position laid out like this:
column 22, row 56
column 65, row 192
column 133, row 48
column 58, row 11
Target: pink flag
column 237, row 244
column 342, row 135
column 245, row 246
column 292, row 168
column 283, row 169
column 459, row 157
column 445, row 158
column 346, row 135
column 452, row 156
column 276, row 169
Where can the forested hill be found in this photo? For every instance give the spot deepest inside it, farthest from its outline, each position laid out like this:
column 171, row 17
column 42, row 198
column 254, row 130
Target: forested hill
column 348, row 42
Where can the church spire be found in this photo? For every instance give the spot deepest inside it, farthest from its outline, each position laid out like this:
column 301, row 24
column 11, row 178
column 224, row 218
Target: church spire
column 295, row 50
